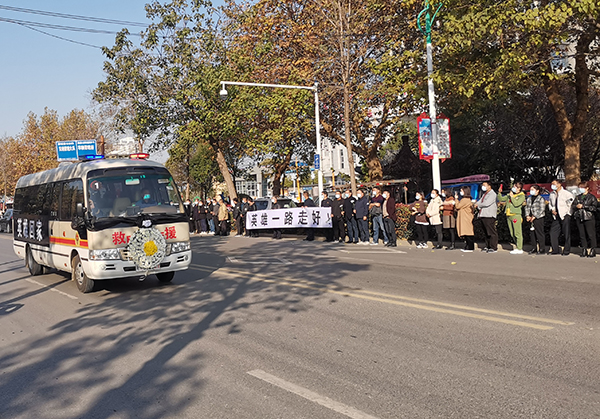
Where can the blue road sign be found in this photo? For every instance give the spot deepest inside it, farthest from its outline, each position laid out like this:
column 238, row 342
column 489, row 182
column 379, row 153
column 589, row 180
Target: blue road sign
column 72, row 150
column 317, row 162
column 86, row 147
column 66, row 150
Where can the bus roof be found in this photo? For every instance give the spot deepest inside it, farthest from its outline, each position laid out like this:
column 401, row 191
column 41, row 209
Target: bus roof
column 77, row 170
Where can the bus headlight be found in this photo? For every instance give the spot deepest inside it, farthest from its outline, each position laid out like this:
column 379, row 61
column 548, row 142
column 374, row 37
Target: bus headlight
column 180, row 247
column 105, row 254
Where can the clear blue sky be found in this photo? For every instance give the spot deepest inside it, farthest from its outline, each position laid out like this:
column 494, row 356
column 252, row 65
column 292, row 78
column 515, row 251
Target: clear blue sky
column 38, row 71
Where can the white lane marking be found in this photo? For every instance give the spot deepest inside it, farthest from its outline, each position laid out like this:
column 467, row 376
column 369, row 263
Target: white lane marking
column 51, row 289
column 366, row 252
column 260, row 260
column 310, row 395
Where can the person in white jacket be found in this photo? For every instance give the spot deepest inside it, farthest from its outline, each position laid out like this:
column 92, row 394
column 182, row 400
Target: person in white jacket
column 433, row 212
column 559, row 204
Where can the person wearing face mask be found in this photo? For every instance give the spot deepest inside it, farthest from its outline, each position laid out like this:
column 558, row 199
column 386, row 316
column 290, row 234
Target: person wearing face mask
column 376, row 211
column 559, row 204
column 349, row 210
column 389, row 218
column 215, row 216
column 223, row 216
column 308, row 202
column 464, row 218
column 433, row 213
column 326, row 202
column 419, row 210
column 488, row 210
column 362, row 213
column 337, row 219
column 252, row 208
column 448, row 216
column 583, row 208
column 276, row 231
column 514, row 202
column 209, row 216
column 535, row 211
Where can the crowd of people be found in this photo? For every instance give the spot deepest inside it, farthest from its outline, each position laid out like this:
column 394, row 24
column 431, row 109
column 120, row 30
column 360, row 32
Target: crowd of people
column 446, row 211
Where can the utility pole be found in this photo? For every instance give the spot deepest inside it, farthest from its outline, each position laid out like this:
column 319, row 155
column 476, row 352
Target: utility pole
column 435, row 163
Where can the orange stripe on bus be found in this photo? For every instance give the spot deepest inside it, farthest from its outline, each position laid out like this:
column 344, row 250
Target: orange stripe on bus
column 68, row 242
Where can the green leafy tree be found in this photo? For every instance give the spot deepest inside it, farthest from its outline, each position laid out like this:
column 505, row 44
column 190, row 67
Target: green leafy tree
column 172, row 80
column 491, row 49
column 360, row 51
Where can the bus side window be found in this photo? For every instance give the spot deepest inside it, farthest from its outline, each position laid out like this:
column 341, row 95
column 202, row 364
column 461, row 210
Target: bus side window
column 40, row 199
column 19, row 201
column 50, row 207
column 29, row 204
column 72, row 193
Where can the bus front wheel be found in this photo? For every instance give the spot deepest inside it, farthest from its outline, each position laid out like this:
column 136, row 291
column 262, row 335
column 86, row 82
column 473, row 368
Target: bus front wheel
column 84, row 284
column 35, row 268
column 165, row 276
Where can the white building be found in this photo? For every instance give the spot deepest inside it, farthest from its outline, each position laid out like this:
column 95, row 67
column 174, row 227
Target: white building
column 334, row 161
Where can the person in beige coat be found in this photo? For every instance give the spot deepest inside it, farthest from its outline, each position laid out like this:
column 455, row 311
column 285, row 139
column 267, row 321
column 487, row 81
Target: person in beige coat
column 464, row 219
column 223, row 216
column 433, row 213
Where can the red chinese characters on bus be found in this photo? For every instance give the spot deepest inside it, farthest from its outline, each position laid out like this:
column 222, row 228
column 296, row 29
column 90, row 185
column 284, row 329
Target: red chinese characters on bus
column 118, row 237
column 170, row 233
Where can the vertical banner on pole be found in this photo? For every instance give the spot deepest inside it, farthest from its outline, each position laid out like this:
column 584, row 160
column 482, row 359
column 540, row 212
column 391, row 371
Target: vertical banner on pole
column 425, row 137
column 444, row 147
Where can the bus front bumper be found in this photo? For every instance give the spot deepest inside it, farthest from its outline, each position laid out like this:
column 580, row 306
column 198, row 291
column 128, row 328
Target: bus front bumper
column 112, row 269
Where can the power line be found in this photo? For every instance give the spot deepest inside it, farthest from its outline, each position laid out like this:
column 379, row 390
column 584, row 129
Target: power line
column 61, row 38
column 58, row 27
column 74, row 17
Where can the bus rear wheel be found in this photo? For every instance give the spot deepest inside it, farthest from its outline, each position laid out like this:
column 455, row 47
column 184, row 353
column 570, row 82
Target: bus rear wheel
column 165, row 276
column 35, row 268
column 84, row 284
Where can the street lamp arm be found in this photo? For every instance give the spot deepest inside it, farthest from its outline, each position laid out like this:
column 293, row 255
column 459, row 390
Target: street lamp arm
column 285, row 86
column 436, row 13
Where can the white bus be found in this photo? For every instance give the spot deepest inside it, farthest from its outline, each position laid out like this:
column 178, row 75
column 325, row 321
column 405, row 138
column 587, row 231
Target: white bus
column 102, row 219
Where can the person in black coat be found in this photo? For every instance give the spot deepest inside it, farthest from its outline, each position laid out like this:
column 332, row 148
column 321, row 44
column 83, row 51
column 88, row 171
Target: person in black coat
column 308, row 202
column 237, row 216
column 252, row 208
column 583, row 208
column 349, row 215
column 196, row 215
column 362, row 216
column 245, row 207
column 202, row 210
column 326, row 202
column 337, row 218
column 215, row 216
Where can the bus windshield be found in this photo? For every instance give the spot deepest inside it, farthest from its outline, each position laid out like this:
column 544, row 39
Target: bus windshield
column 127, row 193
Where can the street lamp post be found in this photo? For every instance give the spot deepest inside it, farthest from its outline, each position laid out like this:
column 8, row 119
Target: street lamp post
column 315, row 89
column 435, row 163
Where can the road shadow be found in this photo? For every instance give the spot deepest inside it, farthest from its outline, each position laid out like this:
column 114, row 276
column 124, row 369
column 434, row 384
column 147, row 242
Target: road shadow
column 123, row 354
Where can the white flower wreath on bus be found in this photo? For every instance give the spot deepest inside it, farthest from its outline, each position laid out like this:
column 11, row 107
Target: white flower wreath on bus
column 147, row 248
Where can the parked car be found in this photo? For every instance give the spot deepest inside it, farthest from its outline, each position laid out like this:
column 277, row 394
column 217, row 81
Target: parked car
column 6, row 222
column 265, row 203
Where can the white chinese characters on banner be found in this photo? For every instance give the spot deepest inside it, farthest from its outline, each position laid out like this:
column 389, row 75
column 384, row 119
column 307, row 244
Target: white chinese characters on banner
column 312, row 217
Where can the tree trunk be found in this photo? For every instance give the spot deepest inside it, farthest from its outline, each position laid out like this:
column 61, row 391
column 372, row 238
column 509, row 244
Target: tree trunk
column 374, row 165
column 278, row 173
column 572, row 166
column 348, row 136
column 572, row 133
column 225, row 172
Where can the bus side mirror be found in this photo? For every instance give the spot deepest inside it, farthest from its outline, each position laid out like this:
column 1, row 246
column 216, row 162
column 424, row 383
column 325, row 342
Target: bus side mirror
column 80, row 209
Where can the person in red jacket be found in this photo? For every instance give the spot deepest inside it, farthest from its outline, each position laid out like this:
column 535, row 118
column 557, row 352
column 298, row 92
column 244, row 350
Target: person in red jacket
column 389, row 218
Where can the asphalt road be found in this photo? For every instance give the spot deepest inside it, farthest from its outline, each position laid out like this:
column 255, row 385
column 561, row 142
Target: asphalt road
column 291, row 329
